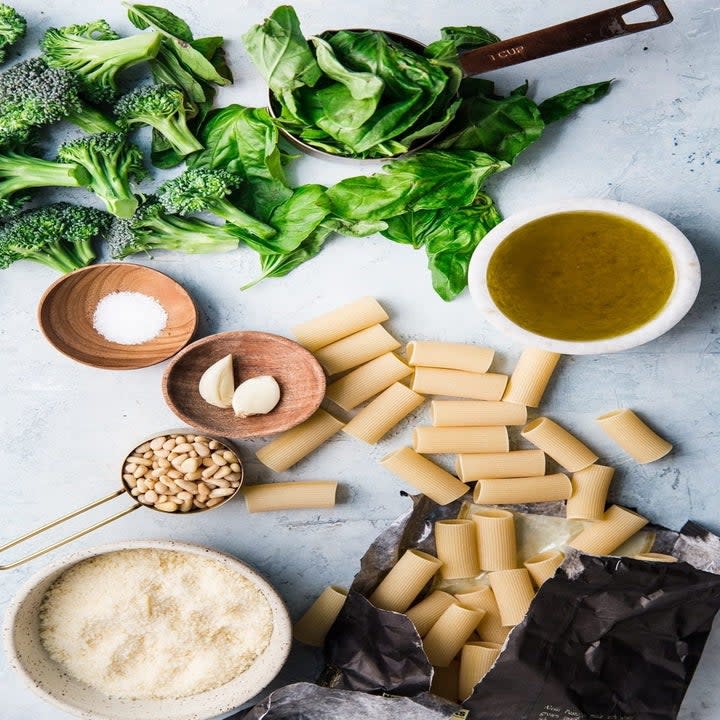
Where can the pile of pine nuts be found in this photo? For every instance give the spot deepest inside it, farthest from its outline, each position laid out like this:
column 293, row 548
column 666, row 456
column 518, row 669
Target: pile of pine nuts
column 182, row 473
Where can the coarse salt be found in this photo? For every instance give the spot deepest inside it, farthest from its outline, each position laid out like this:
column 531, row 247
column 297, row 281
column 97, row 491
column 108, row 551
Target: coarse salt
column 129, row 318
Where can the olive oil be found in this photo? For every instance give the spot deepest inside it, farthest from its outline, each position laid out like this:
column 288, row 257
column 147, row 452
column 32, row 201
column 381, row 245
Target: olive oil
column 581, row 276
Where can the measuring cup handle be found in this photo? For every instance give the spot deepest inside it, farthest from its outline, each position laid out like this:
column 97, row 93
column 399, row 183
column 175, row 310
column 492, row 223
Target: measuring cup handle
column 59, row 521
column 570, row 35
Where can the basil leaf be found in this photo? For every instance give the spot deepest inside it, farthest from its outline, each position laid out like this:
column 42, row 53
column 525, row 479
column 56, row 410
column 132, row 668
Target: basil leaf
column 242, row 140
column 560, row 106
column 195, row 62
column 502, row 127
column 362, row 85
column 162, row 20
column 294, row 221
column 208, row 45
column 429, row 179
column 358, row 228
column 467, row 37
column 281, row 54
column 166, row 68
column 449, row 237
column 280, row 264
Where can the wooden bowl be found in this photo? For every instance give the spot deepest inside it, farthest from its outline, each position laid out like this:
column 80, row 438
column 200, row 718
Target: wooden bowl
column 299, row 374
column 66, row 312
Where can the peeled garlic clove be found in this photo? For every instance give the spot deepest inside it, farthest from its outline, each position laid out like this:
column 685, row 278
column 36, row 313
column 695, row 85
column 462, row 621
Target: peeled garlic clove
column 256, row 396
column 216, row 384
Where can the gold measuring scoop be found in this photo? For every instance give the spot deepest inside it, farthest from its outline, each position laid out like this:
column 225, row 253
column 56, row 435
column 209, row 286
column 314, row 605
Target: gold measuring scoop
column 206, row 453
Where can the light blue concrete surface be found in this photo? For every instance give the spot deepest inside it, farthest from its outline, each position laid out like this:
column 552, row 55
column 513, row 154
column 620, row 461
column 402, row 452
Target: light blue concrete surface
column 653, row 141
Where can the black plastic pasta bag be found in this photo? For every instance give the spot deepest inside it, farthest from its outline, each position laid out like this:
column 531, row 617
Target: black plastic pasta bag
column 606, row 639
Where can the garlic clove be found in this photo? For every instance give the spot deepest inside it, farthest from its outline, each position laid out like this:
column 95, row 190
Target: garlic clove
column 216, row 385
column 256, row 396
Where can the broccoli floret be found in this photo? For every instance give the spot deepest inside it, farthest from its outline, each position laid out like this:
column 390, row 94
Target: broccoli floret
column 58, row 235
column 152, row 228
column 12, row 28
column 202, row 189
column 96, row 53
column 163, row 108
column 20, row 171
column 33, row 95
column 111, row 162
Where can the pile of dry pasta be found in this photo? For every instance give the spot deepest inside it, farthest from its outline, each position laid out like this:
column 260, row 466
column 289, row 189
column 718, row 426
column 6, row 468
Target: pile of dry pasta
column 462, row 633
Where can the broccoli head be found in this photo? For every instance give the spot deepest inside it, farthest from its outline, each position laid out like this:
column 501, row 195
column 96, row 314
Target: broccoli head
column 151, row 228
column 163, row 108
column 111, row 163
column 96, row 53
column 58, row 235
column 12, row 27
column 33, row 95
column 202, row 189
column 20, row 170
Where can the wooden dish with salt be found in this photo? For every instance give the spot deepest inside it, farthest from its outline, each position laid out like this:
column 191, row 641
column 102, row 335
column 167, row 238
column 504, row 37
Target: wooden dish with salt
column 298, row 373
column 66, row 310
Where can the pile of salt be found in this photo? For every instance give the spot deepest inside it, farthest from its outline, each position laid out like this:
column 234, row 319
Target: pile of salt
column 129, row 318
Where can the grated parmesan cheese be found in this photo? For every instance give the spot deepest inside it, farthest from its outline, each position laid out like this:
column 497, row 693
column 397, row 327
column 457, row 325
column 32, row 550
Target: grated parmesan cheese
column 154, row 624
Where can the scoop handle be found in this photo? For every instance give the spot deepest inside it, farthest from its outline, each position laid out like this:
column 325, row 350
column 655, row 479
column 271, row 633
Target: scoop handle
column 603, row 25
column 69, row 538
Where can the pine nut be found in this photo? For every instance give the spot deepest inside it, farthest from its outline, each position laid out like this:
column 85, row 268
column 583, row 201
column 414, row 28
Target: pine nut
column 207, row 462
column 150, row 496
column 214, row 501
column 169, row 444
column 188, row 486
column 186, row 506
column 175, row 474
column 157, row 443
column 201, row 449
column 163, row 463
column 213, row 444
column 130, row 468
column 201, row 439
column 233, row 476
column 229, row 456
column 166, row 506
column 235, row 467
column 163, row 498
column 141, row 485
column 183, row 447
column 161, row 488
column 194, row 475
column 128, row 476
column 184, row 495
column 210, row 471
column 135, row 492
column 147, row 455
column 132, row 482
column 218, row 459
column 222, row 472
column 139, row 461
column 222, row 492
column 217, row 482
column 199, row 504
column 190, row 465
column 172, row 455
column 162, row 453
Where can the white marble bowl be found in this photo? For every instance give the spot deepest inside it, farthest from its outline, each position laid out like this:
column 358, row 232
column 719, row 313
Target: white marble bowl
column 28, row 657
column 687, row 277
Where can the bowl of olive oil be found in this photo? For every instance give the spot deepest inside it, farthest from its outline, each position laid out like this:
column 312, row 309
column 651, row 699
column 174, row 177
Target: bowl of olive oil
column 584, row 276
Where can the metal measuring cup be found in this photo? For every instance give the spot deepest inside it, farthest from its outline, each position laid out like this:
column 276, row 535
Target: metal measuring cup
column 126, row 488
column 570, row 35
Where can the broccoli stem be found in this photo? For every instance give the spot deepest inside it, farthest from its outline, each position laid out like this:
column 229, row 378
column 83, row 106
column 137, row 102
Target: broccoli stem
column 18, row 172
column 91, row 120
column 84, row 251
column 55, row 257
column 102, row 55
column 114, row 191
column 178, row 134
column 235, row 216
column 190, row 235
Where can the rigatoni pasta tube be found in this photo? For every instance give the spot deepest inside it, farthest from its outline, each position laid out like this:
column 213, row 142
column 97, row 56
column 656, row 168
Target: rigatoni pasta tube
column 474, row 413
column 490, row 627
column 513, row 464
column 406, row 579
column 340, row 323
column 447, row 636
column 290, row 495
column 356, row 349
column 313, row 626
column 543, row 565
column 559, row 444
column 459, row 383
column 382, row 414
column 607, row 534
column 457, row 546
column 426, row 613
column 634, row 436
column 439, row 485
column 461, row 439
column 366, row 381
column 445, row 681
column 656, row 557
column 531, row 376
column 514, row 592
column 589, row 492
column 509, row 491
column 476, row 659
column 455, row 356
column 294, row 444
column 496, row 539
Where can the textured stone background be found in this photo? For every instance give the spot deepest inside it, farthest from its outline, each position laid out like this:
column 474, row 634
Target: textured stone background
column 653, row 141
